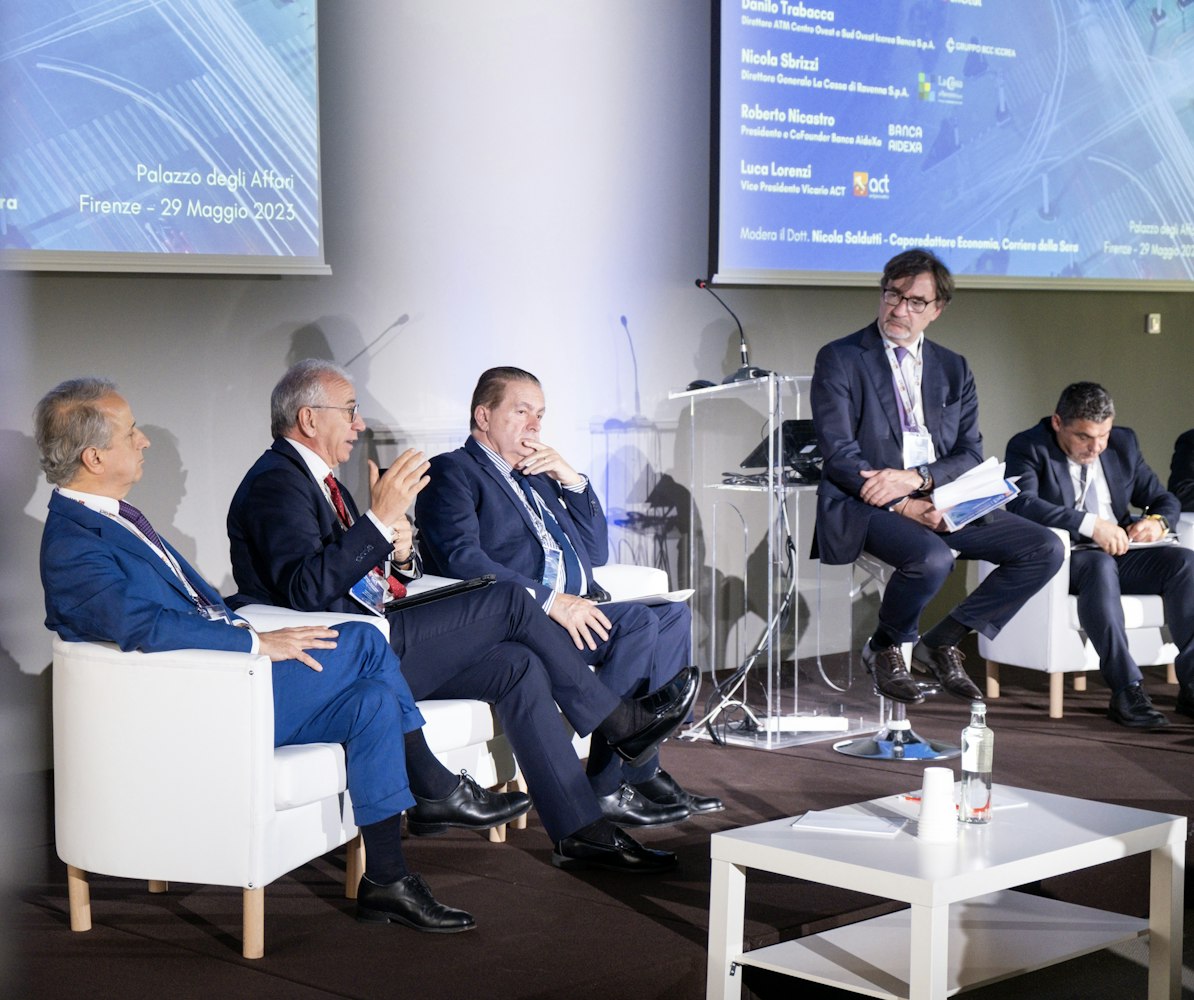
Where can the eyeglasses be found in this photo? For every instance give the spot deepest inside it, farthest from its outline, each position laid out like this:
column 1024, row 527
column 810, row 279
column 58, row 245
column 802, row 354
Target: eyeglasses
column 352, row 411
column 915, row 305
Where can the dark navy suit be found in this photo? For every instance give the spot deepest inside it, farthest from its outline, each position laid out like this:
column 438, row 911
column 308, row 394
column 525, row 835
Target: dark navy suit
column 858, row 427
column 472, row 522
column 1181, row 470
column 104, row 584
column 289, row 548
column 1096, row 578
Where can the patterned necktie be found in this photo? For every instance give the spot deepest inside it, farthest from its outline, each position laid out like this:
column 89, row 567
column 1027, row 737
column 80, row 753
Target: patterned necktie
column 907, row 420
column 573, row 574
column 397, row 587
column 141, row 522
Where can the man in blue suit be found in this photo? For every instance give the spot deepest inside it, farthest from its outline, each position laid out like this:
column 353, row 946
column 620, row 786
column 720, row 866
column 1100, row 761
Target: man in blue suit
column 509, row 504
column 896, row 416
column 109, row 577
column 299, row 540
column 1083, row 475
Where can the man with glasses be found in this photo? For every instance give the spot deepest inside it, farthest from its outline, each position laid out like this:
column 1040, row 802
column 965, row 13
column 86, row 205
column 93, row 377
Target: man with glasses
column 897, row 416
column 298, row 540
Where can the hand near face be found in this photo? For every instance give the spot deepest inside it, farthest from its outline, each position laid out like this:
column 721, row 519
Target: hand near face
column 544, row 459
column 391, row 495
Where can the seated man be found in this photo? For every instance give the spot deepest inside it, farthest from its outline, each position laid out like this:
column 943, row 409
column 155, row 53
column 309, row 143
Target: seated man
column 508, row 504
column 896, row 415
column 1079, row 473
column 109, row 577
column 1181, row 470
column 298, row 541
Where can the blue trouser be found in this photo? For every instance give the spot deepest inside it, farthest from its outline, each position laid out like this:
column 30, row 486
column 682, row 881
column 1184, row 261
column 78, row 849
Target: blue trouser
column 359, row 699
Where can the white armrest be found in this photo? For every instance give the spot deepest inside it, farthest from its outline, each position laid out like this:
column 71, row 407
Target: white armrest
column 1185, row 529
column 625, row 581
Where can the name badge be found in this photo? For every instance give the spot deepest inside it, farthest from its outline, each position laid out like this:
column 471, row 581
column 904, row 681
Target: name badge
column 552, row 567
column 214, row 613
column 918, row 449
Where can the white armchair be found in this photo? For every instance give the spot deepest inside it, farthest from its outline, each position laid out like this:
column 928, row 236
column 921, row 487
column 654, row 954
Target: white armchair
column 165, row 770
column 1045, row 634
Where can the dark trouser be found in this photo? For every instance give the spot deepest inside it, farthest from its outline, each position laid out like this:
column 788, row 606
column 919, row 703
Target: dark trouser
column 497, row 646
column 646, row 648
column 360, row 699
column 1098, row 579
column 1026, row 556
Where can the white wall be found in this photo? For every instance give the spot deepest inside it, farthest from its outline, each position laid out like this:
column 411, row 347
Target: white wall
column 514, row 178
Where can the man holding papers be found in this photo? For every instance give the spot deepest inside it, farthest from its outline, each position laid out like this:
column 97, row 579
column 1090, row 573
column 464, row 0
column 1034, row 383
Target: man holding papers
column 897, row 418
column 1079, row 473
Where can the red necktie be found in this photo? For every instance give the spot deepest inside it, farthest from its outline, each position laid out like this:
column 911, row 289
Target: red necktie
column 397, row 588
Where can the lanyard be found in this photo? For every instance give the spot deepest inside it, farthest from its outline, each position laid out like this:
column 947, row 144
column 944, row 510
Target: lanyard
column 909, row 395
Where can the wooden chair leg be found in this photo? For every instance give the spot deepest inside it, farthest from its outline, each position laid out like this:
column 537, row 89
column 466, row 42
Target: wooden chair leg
column 156, row 885
column 1080, row 681
column 497, row 834
column 1056, row 690
column 992, row 679
column 354, row 865
column 253, row 922
column 79, row 894
column 1170, row 674
column 519, row 784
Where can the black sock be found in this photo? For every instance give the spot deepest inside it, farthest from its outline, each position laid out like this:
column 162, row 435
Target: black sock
column 947, row 632
column 883, row 639
column 384, row 862
column 622, row 721
column 429, row 779
column 600, row 832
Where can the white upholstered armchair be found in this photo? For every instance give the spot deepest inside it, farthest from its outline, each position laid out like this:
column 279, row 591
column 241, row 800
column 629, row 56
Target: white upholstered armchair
column 1045, row 634
column 165, row 770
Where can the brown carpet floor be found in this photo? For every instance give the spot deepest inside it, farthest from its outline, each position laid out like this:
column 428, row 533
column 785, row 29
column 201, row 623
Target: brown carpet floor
column 544, row 934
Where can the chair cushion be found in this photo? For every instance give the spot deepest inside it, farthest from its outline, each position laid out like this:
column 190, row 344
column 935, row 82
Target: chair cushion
column 1140, row 611
column 308, row 773
column 456, row 722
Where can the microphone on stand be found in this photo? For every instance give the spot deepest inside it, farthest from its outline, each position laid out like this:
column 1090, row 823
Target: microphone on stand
column 638, row 420
column 747, row 371
column 400, row 321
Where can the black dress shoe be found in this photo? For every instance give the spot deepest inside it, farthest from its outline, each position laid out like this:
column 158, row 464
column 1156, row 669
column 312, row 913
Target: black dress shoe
column 663, row 789
column 1185, row 702
column 1132, row 707
column 890, row 674
column 625, row 854
column 945, row 663
column 626, row 806
column 665, row 710
column 469, row 807
column 409, row 901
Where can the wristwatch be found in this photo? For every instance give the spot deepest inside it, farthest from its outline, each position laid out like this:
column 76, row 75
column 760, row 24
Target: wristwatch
column 1158, row 517
column 926, row 479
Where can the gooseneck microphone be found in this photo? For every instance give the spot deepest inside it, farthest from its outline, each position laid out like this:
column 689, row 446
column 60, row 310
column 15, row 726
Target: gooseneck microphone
column 747, row 371
column 398, row 322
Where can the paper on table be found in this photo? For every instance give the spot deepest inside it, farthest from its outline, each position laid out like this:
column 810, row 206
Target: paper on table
column 864, row 824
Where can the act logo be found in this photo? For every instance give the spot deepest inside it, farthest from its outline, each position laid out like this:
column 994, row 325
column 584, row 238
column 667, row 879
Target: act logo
column 924, row 88
column 860, row 179
column 866, row 186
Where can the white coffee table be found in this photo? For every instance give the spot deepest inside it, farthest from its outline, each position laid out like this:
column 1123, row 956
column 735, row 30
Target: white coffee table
column 964, row 927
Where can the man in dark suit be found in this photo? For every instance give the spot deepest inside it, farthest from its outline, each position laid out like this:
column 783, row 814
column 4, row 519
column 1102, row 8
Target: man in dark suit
column 509, row 504
column 1083, row 475
column 299, row 540
column 896, row 416
column 109, row 577
column 1181, row 470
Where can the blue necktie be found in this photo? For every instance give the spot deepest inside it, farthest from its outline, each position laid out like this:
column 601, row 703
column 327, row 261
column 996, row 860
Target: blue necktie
column 572, row 570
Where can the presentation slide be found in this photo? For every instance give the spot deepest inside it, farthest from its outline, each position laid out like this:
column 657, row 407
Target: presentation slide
column 178, row 134
column 1027, row 142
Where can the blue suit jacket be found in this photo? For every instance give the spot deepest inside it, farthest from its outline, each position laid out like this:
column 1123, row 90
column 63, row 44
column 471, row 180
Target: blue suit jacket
column 471, row 522
column 858, row 427
column 1047, row 490
column 288, row 546
column 102, row 583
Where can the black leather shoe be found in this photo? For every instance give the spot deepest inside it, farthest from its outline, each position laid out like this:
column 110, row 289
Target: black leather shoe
column 1185, row 702
column 663, row 789
column 1132, row 707
column 625, row 854
column 890, row 673
column 627, row 807
column 945, row 663
column 666, row 709
column 469, row 807
column 409, row 901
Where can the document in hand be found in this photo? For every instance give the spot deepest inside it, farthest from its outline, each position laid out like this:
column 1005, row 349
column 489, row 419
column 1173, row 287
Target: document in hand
column 973, row 494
